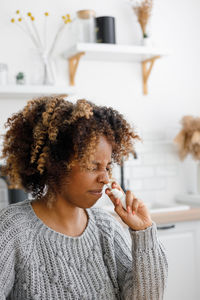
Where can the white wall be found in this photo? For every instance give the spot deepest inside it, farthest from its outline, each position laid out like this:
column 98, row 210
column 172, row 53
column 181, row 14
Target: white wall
column 173, row 84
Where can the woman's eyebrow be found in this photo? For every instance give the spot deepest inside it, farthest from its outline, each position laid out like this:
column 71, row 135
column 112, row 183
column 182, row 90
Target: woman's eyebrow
column 98, row 163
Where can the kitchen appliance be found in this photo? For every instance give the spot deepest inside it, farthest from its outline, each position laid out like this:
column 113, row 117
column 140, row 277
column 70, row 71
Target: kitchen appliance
column 122, row 183
column 4, row 199
column 16, row 195
column 9, row 196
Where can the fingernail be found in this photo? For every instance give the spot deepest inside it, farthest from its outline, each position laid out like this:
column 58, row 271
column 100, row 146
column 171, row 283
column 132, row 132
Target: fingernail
column 128, row 209
column 133, row 212
column 117, row 201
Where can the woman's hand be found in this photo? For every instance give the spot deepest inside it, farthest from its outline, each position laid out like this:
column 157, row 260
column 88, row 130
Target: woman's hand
column 136, row 216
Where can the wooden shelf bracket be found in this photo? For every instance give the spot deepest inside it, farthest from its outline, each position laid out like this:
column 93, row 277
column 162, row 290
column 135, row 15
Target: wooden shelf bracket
column 73, row 65
column 146, row 72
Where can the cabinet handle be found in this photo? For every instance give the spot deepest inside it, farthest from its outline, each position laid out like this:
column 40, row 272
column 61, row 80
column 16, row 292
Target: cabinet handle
column 165, row 227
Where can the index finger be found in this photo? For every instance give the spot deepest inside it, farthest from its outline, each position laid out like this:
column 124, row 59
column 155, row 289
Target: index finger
column 116, row 185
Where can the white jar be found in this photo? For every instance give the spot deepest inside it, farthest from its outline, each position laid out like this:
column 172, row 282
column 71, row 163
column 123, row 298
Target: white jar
column 85, row 26
column 3, row 74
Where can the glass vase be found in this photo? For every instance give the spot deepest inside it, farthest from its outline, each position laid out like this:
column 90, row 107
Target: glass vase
column 43, row 69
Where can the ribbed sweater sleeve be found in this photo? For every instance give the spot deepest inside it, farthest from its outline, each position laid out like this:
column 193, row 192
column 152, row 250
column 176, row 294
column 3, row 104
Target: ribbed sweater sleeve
column 16, row 243
column 7, row 255
column 140, row 259
column 142, row 267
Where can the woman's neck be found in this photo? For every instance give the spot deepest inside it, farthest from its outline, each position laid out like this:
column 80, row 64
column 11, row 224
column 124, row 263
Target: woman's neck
column 61, row 216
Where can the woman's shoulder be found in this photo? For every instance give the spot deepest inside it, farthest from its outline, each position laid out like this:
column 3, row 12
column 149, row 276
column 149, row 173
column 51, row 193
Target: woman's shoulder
column 14, row 215
column 16, row 231
column 106, row 220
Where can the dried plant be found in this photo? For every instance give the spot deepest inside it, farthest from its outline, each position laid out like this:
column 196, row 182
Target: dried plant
column 142, row 9
column 188, row 139
column 27, row 24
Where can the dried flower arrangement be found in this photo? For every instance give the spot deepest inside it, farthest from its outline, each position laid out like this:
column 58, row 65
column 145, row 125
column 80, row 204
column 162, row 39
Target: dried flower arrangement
column 142, row 9
column 188, row 139
column 27, row 24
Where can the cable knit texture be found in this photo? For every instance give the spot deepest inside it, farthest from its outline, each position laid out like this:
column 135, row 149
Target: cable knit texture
column 106, row 262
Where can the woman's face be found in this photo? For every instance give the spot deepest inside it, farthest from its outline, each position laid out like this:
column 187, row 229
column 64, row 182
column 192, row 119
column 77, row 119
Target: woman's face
column 82, row 188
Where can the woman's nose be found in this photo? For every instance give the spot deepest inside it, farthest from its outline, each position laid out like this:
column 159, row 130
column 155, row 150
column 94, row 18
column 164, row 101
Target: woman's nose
column 103, row 177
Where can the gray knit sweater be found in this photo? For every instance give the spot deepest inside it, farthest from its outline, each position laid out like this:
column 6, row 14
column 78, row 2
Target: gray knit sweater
column 105, row 262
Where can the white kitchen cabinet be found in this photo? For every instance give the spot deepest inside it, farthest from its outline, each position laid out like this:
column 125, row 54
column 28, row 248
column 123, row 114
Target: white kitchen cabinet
column 182, row 244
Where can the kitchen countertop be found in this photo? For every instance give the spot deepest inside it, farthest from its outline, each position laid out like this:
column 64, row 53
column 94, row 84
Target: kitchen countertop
column 191, row 214
column 177, row 216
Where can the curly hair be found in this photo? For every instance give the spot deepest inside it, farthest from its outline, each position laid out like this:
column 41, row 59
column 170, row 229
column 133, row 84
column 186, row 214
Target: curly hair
column 44, row 140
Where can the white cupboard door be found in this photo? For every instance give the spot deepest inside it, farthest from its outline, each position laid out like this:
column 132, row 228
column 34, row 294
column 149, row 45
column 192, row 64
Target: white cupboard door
column 181, row 253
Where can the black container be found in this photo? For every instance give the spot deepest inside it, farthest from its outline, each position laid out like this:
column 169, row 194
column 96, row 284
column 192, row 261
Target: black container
column 106, row 30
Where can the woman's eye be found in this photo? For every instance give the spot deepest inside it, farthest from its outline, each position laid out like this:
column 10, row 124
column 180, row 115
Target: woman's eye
column 91, row 169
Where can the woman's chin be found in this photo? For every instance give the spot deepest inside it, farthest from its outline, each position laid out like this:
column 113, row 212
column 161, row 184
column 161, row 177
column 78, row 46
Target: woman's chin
column 89, row 204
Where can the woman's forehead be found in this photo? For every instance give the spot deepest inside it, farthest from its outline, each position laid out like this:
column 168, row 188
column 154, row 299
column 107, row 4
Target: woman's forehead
column 103, row 151
column 103, row 145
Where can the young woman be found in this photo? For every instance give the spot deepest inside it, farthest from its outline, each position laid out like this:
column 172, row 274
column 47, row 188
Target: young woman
column 56, row 246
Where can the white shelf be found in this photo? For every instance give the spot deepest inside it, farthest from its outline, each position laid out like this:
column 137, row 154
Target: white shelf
column 9, row 91
column 114, row 52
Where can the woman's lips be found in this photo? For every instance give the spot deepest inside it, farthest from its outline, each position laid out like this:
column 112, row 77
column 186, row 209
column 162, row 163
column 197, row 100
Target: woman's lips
column 96, row 192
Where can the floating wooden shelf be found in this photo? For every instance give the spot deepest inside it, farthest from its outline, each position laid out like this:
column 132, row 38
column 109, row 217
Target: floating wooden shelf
column 118, row 53
column 9, row 91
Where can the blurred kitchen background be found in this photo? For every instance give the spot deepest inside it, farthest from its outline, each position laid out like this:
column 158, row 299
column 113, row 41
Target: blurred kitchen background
column 97, row 49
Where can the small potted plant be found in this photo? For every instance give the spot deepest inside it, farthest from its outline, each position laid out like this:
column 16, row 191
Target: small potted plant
column 20, row 78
